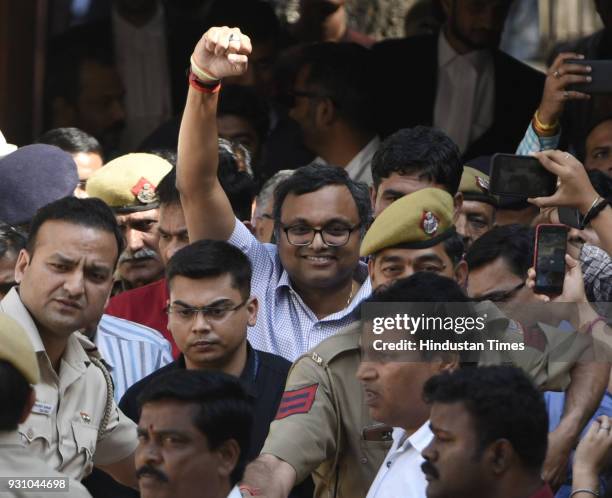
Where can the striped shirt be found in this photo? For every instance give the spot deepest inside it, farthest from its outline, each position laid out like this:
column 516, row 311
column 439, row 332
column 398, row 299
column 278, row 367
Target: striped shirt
column 286, row 326
column 131, row 351
column 533, row 143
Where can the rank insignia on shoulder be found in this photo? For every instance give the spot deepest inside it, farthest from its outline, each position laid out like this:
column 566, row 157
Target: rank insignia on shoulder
column 297, row 401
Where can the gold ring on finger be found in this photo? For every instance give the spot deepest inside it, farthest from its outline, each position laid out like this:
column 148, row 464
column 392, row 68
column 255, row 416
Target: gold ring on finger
column 557, row 74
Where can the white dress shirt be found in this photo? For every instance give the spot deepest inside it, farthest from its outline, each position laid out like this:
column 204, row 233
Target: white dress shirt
column 359, row 168
column 465, row 99
column 234, row 493
column 400, row 474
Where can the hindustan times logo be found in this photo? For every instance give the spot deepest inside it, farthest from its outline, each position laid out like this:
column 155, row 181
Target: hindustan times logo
column 402, row 322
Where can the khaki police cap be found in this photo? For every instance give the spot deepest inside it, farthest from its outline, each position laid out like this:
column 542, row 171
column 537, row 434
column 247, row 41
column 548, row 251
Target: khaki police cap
column 128, row 183
column 16, row 348
column 475, row 186
column 415, row 221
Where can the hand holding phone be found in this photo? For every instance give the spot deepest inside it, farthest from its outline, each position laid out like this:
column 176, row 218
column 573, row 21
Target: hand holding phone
column 601, row 76
column 520, row 176
column 549, row 259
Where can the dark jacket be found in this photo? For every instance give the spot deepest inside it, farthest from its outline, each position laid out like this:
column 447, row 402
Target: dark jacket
column 407, row 82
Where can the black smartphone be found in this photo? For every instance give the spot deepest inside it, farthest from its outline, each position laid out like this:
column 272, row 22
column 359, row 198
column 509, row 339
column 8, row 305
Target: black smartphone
column 549, row 259
column 569, row 216
column 601, row 74
column 520, row 176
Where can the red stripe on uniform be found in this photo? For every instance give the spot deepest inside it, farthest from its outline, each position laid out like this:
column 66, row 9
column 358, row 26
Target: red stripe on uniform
column 298, row 401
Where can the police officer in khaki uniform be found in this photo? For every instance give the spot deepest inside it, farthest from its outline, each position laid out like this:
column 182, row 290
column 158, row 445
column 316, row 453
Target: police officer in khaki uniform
column 477, row 213
column 28, row 475
column 65, row 277
column 322, row 426
column 128, row 185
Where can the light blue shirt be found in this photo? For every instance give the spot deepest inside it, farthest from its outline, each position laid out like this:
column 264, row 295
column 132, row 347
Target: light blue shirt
column 131, row 351
column 532, row 142
column 286, row 326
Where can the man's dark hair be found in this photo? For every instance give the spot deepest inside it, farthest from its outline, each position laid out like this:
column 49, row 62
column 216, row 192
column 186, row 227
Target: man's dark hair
column 342, row 73
column 513, row 243
column 12, row 240
column 503, row 404
column 423, row 151
column 72, row 140
column 224, row 408
column 209, row 259
column 314, row 177
column 14, row 392
column 91, row 212
column 167, row 193
column 433, row 296
column 454, row 248
column 246, row 103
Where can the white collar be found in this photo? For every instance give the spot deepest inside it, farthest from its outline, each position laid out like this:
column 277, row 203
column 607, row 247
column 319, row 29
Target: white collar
column 447, row 54
column 418, row 439
column 234, row 493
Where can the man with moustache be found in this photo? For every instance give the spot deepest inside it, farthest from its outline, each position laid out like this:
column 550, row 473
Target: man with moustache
column 128, row 185
column 193, row 436
column 489, row 428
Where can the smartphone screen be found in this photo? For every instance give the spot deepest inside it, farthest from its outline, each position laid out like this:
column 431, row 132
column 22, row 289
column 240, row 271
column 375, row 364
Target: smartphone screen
column 520, row 176
column 550, row 251
column 601, row 74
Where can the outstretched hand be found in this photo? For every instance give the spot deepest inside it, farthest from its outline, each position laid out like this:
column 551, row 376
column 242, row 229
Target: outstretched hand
column 222, row 52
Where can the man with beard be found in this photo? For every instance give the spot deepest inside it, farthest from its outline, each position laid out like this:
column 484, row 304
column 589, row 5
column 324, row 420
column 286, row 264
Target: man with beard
column 460, row 81
column 128, row 185
column 489, row 435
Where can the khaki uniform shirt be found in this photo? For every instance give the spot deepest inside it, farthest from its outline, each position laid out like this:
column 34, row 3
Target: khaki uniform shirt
column 63, row 427
column 17, row 462
column 323, row 435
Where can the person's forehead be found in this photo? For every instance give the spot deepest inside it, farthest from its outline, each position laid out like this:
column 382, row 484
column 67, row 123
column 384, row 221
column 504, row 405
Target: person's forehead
column 600, row 136
column 452, row 417
column 490, row 277
column 149, row 214
column 471, row 206
column 166, row 414
column 171, row 212
column 327, row 203
column 74, row 241
column 407, row 183
column 203, row 290
column 410, row 255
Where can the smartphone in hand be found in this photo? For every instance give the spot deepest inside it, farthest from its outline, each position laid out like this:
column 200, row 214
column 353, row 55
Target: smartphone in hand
column 549, row 259
column 520, row 176
column 601, row 76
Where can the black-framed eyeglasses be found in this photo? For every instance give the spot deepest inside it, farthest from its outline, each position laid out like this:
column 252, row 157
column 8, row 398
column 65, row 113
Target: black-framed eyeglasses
column 210, row 313
column 332, row 235
column 501, row 296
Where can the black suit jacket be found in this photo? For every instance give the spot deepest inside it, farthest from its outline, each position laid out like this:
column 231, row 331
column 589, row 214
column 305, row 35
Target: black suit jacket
column 407, row 71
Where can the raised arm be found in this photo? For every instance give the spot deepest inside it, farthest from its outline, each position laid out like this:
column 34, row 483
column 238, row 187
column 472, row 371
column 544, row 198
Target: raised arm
column 221, row 52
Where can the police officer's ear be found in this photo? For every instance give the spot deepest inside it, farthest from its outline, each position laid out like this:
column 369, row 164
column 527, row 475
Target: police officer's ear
column 461, row 274
column 499, row 456
column 457, row 205
column 23, row 260
column 228, row 453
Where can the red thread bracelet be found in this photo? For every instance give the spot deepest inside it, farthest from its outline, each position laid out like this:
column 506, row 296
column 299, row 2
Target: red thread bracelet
column 195, row 83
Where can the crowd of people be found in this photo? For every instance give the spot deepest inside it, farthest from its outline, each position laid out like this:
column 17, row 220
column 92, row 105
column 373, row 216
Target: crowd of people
column 189, row 303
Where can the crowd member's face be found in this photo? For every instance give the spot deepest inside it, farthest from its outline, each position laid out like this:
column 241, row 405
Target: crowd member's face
column 237, row 129
column 476, row 24
column 393, row 387
column 260, row 71
column 87, row 164
column 319, row 265
column 172, row 230
column 306, row 110
column 474, row 220
column 395, row 263
column 453, row 466
column 173, row 458
column 140, row 263
column 396, row 186
column 599, row 148
column 495, row 281
column 211, row 341
column 100, row 109
column 66, row 281
column 264, row 223
column 7, row 271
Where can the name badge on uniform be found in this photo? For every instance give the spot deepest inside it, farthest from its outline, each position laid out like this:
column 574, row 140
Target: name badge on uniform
column 42, row 408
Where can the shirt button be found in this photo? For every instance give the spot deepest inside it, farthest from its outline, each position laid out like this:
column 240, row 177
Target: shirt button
column 364, row 460
column 389, row 464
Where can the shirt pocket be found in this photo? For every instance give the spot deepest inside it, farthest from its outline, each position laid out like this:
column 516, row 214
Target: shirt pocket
column 85, row 438
column 36, row 432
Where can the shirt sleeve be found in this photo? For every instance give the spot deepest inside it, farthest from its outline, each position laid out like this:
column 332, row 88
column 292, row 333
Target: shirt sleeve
column 304, row 431
column 532, row 142
column 119, row 441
